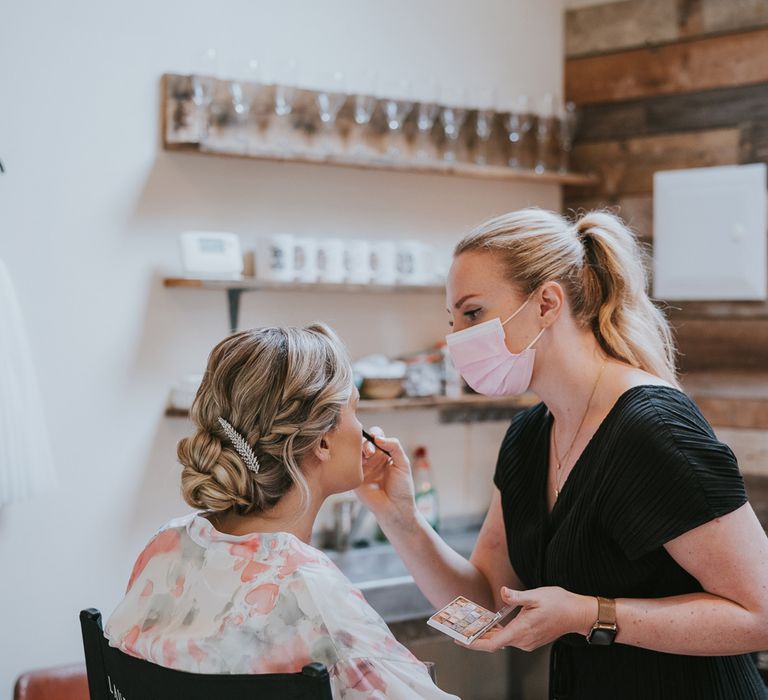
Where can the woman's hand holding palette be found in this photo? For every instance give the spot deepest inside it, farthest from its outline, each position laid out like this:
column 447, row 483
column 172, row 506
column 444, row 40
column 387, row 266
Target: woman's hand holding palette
column 465, row 621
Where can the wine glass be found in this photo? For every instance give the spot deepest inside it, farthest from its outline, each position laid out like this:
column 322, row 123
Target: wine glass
column 206, row 69
column 566, row 132
column 285, row 80
column 453, row 114
column 285, row 88
column 397, row 107
column 486, row 100
column 365, row 104
column 329, row 101
column 242, row 91
column 518, row 123
column 544, row 127
column 426, row 114
column 363, row 107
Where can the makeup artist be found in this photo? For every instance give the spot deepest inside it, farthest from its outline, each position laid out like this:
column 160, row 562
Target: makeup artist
column 618, row 523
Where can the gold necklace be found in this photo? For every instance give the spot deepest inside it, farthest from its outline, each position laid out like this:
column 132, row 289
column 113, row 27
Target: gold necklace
column 558, row 461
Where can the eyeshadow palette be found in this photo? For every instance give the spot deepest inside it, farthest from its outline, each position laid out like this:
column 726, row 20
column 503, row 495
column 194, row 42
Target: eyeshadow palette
column 466, row 621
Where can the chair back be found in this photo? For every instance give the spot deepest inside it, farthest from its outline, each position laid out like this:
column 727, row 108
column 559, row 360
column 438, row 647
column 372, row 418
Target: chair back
column 114, row 675
column 56, row 683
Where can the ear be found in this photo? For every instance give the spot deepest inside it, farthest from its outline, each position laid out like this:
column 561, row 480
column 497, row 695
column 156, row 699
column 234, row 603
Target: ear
column 550, row 300
column 323, row 449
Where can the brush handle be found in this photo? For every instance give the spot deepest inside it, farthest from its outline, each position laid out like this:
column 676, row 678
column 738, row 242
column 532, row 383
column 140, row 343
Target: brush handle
column 373, row 442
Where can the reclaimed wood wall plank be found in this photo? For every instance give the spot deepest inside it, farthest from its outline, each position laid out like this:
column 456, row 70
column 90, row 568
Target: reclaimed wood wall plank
column 745, row 413
column 737, row 344
column 708, row 109
column 733, row 15
column 618, row 26
column 627, row 166
column 689, row 66
column 682, row 311
column 751, row 449
column 754, row 143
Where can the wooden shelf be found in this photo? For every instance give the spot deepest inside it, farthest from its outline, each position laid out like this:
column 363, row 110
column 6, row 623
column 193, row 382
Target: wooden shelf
column 301, row 138
column 460, row 169
column 726, row 400
column 251, row 284
column 465, row 401
column 235, row 289
column 426, row 402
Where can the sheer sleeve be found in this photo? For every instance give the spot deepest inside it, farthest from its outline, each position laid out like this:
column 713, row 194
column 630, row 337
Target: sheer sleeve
column 381, row 678
column 372, row 664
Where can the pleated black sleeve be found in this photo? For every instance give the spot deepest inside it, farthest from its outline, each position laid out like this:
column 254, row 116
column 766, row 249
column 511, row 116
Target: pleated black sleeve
column 669, row 473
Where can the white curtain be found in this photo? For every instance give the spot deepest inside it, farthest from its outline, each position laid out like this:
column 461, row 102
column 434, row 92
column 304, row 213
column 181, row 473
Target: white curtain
column 26, row 463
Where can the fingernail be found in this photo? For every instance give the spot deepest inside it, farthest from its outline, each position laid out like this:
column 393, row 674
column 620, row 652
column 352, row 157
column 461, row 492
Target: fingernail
column 505, row 591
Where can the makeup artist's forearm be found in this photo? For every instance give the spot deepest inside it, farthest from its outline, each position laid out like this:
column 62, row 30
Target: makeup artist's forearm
column 440, row 573
column 696, row 624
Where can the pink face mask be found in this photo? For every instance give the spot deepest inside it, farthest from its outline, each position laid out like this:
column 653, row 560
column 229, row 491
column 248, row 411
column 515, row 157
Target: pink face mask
column 482, row 358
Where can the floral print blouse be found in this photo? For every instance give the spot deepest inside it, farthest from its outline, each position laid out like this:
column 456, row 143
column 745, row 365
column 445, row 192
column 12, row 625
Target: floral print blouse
column 202, row 601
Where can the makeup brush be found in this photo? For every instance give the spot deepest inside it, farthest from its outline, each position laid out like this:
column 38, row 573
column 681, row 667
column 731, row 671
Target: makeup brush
column 373, row 442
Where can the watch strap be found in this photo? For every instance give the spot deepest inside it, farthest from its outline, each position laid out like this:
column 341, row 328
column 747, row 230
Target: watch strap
column 606, row 611
column 604, row 629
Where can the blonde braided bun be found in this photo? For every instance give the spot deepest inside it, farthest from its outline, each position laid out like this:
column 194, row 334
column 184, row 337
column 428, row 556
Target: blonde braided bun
column 282, row 389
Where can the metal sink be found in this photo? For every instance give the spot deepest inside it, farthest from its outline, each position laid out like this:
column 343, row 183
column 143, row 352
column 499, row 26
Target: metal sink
column 370, row 564
column 381, row 575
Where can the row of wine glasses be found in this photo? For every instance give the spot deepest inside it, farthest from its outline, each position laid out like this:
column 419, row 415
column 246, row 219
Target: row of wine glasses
column 454, row 110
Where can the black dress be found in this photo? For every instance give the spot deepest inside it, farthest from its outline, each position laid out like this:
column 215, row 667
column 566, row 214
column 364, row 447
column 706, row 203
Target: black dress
column 652, row 471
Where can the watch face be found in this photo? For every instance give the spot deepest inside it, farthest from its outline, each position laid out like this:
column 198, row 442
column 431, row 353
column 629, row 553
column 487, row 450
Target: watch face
column 601, row 636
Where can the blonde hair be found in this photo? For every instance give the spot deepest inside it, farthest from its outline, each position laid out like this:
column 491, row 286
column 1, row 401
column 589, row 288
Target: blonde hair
column 282, row 389
column 602, row 268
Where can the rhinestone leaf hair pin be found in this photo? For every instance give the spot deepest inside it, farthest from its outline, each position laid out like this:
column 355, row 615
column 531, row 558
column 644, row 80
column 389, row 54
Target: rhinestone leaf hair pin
column 241, row 446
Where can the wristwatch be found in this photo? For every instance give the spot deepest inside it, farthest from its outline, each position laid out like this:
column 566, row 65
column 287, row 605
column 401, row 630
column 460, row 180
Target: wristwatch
column 604, row 630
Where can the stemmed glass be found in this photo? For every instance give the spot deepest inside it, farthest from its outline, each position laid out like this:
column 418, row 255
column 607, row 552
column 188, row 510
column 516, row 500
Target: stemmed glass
column 242, row 91
column 544, row 124
column 452, row 116
column 363, row 106
column 203, row 86
column 285, row 89
column 566, row 132
column 518, row 123
column 484, row 124
column 396, row 110
column 329, row 101
column 426, row 114
column 425, row 119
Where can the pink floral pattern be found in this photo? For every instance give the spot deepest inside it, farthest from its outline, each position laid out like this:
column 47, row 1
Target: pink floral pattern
column 202, row 601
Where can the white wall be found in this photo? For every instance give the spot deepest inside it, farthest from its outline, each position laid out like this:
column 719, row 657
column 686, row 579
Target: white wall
column 90, row 209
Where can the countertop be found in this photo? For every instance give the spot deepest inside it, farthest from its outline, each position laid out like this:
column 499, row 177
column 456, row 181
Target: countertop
column 380, row 574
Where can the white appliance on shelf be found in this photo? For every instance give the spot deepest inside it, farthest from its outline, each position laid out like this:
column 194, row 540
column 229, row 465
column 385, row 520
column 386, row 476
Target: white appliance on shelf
column 211, row 254
column 710, row 234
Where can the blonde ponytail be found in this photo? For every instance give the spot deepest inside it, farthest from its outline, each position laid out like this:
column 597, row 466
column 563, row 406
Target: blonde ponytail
column 601, row 266
column 613, row 297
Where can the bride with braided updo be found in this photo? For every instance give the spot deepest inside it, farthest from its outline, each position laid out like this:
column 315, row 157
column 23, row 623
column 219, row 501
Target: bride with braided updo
column 236, row 587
